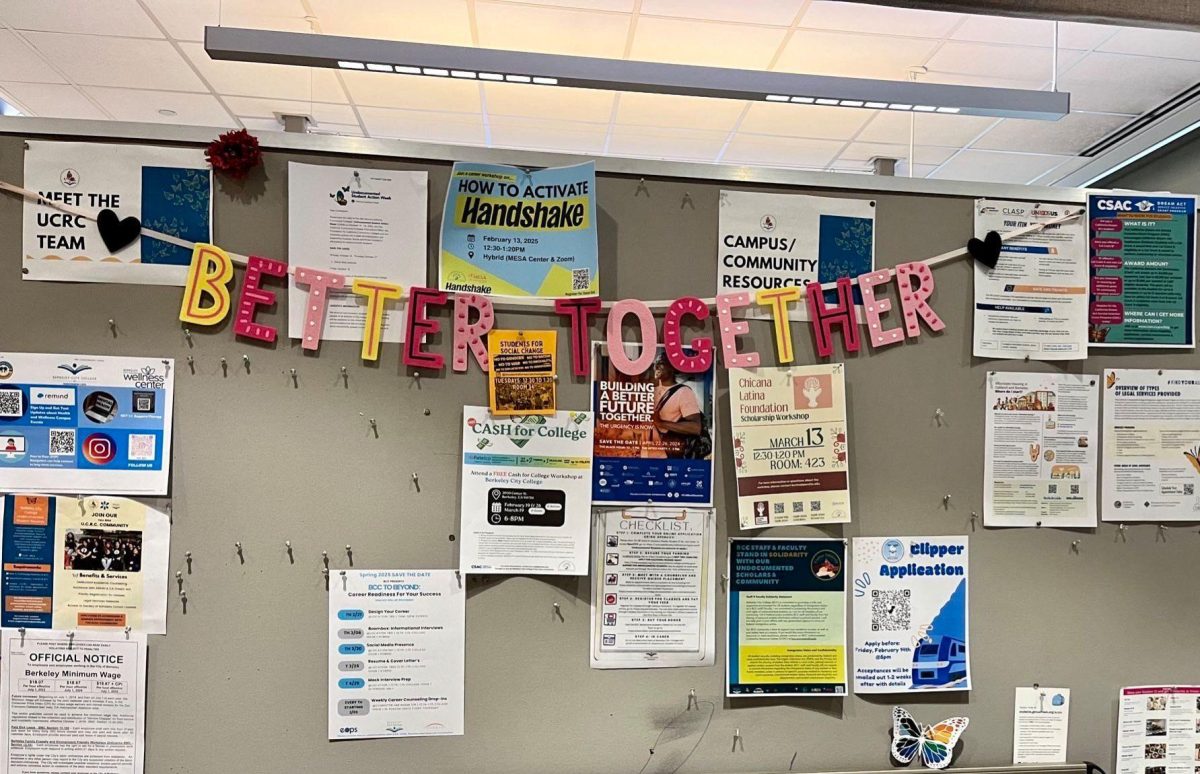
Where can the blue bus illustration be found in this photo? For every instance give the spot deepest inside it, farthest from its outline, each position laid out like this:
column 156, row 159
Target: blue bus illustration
column 939, row 663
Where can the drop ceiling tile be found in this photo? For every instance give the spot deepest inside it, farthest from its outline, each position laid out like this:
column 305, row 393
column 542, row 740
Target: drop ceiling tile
column 186, row 19
column 678, row 144
column 772, row 12
column 670, row 111
column 523, row 99
column 1126, row 84
column 1052, row 176
column 919, row 170
column 92, row 60
column 19, row 63
column 413, row 92
column 621, row 6
column 780, row 151
column 821, row 123
column 550, row 30
column 996, row 167
column 1170, row 44
column 421, row 21
column 252, row 79
column 50, row 100
column 1000, row 29
column 950, row 131
column 705, row 43
column 1082, row 35
column 547, row 134
column 1068, row 135
column 853, row 56
column 882, row 20
column 1016, row 63
column 425, row 126
column 143, row 105
column 267, row 108
column 112, row 17
column 865, row 151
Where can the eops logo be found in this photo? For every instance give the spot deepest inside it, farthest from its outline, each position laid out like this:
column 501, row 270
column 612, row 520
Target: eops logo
column 99, row 449
column 893, row 550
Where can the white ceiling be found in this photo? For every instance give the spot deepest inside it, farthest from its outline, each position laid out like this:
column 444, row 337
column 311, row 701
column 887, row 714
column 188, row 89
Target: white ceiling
column 142, row 60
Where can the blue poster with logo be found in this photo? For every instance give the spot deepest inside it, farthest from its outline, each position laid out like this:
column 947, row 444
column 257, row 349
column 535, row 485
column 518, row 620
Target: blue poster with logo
column 81, row 423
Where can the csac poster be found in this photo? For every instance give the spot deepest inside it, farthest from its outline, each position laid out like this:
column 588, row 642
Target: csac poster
column 654, row 433
column 786, row 617
column 910, row 615
column 790, row 449
column 526, row 493
column 508, row 231
column 654, row 588
column 84, row 563
column 1151, row 445
column 522, row 373
column 167, row 189
column 782, row 240
column 1158, row 729
column 1034, row 302
column 1040, row 450
column 81, row 423
column 1143, row 270
column 364, row 223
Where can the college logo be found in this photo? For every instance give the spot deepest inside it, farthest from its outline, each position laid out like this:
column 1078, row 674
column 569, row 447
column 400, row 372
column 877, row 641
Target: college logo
column 99, row 449
column 893, row 550
column 767, row 223
column 6, row 369
column 74, row 369
column 69, row 178
column 145, row 378
column 826, row 565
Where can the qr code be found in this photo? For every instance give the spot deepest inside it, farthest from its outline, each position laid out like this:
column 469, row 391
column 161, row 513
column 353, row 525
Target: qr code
column 62, row 443
column 141, row 447
column 12, row 403
column 1053, row 489
column 779, row 507
column 581, row 279
column 1189, row 489
column 1075, row 489
column 891, row 610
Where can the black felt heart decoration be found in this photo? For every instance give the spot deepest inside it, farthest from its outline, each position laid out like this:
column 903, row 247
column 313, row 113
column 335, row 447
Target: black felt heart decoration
column 117, row 233
column 987, row 250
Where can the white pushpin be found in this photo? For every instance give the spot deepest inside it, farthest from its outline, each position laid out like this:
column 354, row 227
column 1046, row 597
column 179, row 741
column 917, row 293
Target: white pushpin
column 939, row 415
column 1075, row 546
column 945, row 501
column 127, row 630
column 692, row 702
column 738, row 744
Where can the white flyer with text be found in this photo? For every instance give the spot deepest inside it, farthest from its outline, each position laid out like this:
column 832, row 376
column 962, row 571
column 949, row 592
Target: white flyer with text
column 1158, row 729
column 1040, row 719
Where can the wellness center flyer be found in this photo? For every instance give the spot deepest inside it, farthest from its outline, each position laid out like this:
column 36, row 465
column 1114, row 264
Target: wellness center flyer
column 790, row 448
column 1151, row 445
column 1034, row 302
column 82, row 423
column 526, row 493
column 1040, row 450
column 509, row 231
column 910, row 615
column 653, row 435
column 1143, row 270
column 92, row 562
column 1158, row 729
column 786, row 617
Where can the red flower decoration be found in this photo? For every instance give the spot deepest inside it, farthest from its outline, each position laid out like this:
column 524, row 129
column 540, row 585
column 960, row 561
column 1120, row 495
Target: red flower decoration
column 234, row 153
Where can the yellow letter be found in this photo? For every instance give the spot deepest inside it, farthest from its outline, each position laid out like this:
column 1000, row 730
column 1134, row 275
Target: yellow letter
column 209, row 274
column 376, row 292
column 778, row 299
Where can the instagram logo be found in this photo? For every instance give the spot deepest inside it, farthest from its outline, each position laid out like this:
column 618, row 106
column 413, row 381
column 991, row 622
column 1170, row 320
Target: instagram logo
column 99, row 449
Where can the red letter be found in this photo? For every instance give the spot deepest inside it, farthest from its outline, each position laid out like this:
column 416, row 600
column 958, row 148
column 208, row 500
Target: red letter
column 913, row 300
column 419, row 326
column 579, row 310
column 319, row 282
column 253, row 296
column 468, row 334
column 673, row 337
column 824, row 318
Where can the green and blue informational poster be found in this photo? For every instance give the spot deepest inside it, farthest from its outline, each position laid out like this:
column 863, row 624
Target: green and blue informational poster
column 508, row 231
column 910, row 614
column 1142, row 261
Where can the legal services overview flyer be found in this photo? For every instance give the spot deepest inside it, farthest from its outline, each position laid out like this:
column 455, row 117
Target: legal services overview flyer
column 509, row 231
column 82, row 423
column 1143, row 270
column 910, row 615
column 786, row 617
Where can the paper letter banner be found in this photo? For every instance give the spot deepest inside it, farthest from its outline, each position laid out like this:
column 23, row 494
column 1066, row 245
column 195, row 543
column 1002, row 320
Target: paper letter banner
column 786, row 622
column 790, row 448
column 772, row 241
column 168, row 189
column 507, row 231
column 80, row 423
column 654, row 433
column 523, row 371
column 910, row 615
column 356, row 222
column 526, row 493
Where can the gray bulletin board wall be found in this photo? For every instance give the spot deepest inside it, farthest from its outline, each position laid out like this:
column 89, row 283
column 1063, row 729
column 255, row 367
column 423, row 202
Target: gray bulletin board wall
column 239, row 682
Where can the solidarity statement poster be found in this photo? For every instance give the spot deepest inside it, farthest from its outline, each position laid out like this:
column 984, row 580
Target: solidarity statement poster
column 367, row 224
column 526, row 493
column 653, row 439
column 1151, row 445
column 790, row 448
column 168, row 189
column 786, row 618
column 522, row 371
column 82, row 423
column 509, row 231
column 1143, row 270
column 910, row 615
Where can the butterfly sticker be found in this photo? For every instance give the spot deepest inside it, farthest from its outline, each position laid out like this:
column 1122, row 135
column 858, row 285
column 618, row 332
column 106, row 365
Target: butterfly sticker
column 934, row 743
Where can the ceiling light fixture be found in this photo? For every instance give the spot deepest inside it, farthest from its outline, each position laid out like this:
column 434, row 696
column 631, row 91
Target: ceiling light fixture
column 312, row 50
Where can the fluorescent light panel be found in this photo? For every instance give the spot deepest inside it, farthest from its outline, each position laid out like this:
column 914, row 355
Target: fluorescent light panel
column 311, row 50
